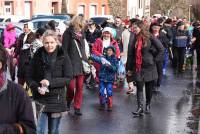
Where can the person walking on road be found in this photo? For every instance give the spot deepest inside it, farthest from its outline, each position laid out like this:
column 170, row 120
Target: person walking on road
column 48, row 71
column 107, row 74
column 72, row 35
column 141, row 64
column 16, row 108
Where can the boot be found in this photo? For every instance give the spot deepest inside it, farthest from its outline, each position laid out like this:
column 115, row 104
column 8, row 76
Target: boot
column 77, row 112
column 68, row 105
column 139, row 111
column 147, row 109
column 109, row 104
column 102, row 107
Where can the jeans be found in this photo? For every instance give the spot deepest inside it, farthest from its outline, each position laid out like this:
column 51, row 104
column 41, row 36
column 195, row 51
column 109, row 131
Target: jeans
column 53, row 124
column 102, row 87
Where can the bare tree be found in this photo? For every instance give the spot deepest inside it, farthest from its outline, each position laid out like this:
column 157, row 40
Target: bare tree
column 167, row 7
column 118, row 7
column 64, row 6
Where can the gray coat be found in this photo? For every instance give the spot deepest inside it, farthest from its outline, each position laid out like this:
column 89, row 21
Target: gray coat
column 148, row 69
column 70, row 48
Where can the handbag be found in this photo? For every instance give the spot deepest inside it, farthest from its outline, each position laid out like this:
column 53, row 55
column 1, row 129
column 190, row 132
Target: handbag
column 86, row 65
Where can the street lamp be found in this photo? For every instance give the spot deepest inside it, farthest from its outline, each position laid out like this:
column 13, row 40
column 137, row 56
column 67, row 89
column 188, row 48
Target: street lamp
column 189, row 17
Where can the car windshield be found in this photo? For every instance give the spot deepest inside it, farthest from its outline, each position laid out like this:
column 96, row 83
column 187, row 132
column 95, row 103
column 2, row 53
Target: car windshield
column 1, row 19
column 62, row 17
column 99, row 20
column 39, row 24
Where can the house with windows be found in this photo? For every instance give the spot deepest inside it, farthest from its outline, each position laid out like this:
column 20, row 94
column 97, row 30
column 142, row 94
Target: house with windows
column 28, row 8
column 89, row 8
column 138, row 7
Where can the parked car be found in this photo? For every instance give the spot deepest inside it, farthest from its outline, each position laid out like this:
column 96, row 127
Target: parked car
column 37, row 23
column 11, row 18
column 100, row 19
column 61, row 17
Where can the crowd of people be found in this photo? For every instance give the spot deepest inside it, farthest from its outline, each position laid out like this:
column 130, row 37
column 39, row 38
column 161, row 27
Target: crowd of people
column 55, row 67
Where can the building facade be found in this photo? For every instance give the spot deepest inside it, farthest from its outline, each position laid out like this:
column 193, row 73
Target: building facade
column 138, row 7
column 28, row 8
column 89, row 8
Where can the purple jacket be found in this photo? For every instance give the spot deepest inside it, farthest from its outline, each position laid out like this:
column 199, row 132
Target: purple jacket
column 9, row 38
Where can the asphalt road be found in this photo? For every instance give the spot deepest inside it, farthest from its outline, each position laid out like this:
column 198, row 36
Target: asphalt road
column 171, row 109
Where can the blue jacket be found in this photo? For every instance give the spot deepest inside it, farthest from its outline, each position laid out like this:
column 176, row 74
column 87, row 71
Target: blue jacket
column 107, row 73
column 181, row 38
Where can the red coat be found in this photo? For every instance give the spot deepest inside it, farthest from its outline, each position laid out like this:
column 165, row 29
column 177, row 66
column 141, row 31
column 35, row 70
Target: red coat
column 97, row 47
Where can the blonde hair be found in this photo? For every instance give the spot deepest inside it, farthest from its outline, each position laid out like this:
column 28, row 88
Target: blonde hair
column 78, row 22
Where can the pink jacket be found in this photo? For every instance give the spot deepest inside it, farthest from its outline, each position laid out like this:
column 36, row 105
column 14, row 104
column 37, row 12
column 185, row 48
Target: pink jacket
column 9, row 38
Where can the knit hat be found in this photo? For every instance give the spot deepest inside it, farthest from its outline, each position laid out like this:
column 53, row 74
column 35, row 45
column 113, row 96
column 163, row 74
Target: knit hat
column 111, row 47
column 107, row 29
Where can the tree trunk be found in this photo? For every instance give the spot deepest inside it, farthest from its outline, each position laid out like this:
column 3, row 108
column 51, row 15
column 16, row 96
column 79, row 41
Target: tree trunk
column 64, row 6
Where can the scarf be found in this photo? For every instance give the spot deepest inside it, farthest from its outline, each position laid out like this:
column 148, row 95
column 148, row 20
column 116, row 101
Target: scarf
column 75, row 34
column 139, row 43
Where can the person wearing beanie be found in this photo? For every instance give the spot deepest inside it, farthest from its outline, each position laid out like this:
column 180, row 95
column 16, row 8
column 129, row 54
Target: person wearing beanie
column 107, row 73
column 9, row 43
column 157, row 31
column 181, row 40
column 23, row 51
column 101, row 44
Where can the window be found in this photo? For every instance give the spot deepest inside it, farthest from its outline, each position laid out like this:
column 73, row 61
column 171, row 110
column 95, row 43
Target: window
column 81, row 9
column 103, row 9
column 54, row 8
column 93, row 10
column 8, row 7
column 140, row 4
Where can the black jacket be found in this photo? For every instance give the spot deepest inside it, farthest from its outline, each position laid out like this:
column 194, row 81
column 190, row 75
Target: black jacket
column 24, row 55
column 57, row 72
column 149, row 57
column 70, row 48
column 196, row 44
column 16, row 107
column 91, row 37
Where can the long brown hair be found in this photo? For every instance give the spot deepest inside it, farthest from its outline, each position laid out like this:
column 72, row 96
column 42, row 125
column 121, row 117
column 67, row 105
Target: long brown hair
column 144, row 33
column 78, row 22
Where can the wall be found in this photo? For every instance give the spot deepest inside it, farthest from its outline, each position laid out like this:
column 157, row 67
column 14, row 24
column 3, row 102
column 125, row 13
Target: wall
column 73, row 6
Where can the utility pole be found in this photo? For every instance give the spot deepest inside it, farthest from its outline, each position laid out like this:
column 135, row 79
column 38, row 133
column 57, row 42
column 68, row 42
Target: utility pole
column 189, row 16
